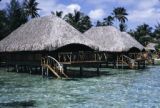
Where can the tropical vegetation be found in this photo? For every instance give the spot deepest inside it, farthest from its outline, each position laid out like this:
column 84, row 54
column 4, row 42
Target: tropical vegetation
column 17, row 13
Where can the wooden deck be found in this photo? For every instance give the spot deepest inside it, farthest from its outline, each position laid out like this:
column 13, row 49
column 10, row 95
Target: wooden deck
column 58, row 66
column 83, row 62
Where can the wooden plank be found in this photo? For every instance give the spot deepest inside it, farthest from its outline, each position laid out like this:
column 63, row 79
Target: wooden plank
column 53, row 71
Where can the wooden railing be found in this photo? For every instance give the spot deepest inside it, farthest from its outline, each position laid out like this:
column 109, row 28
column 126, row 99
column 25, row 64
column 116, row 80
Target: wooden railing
column 53, row 65
column 82, row 56
column 135, row 55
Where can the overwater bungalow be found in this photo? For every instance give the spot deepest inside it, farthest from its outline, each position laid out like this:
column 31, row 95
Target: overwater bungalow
column 152, row 53
column 44, row 42
column 122, row 49
column 52, row 44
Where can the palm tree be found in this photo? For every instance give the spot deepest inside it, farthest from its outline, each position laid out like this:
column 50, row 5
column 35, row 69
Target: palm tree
column 143, row 34
column 120, row 14
column 108, row 21
column 31, row 8
column 3, row 24
column 99, row 23
column 144, row 30
column 70, row 19
column 157, row 31
column 58, row 13
column 78, row 20
column 15, row 15
column 122, row 27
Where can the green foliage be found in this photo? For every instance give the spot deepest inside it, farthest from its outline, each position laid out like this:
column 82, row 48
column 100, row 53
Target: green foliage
column 143, row 34
column 15, row 15
column 122, row 27
column 99, row 23
column 31, row 8
column 158, row 46
column 3, row 24
column 157, row 31
column 58, row 13
column 79, row 21
column 108, row 21
column 120, row 14
column 11, row 18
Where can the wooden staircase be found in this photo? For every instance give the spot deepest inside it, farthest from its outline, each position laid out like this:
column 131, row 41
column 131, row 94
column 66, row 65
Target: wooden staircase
column 50, row 63
column 130, row 62
column 125, row 60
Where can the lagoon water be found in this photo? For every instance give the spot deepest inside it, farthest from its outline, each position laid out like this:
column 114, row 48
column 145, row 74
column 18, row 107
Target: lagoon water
column 117, row 89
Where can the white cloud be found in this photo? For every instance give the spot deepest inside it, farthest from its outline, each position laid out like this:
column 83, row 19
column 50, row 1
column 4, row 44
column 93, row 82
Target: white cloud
column 103, row 2
column 145, row 12
column 68, row 8
column 97, row 14
column 46, row 6
column 145, row 4
column 73, row 7
column 52, row 5
column 144, row 15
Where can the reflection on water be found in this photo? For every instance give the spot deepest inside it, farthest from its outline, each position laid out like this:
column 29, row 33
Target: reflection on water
column 18, row 104
column 115, row 89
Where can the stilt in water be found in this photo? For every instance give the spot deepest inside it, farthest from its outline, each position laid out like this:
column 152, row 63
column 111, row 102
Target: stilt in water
column 138, row 65
column 42, row 69
column 98, row 73
column 144, row 64
column 81, row 71
column 7, row 68
column 16, row 68
column 47, row 72
column 65, row 69
column 30, row 70
column 106, row 64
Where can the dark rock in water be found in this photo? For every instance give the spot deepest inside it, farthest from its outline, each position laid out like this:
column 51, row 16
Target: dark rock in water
column 18, row 104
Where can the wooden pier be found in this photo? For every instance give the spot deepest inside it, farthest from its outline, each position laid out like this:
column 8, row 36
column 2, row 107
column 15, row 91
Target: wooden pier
column 57, row 65
column 89, row 59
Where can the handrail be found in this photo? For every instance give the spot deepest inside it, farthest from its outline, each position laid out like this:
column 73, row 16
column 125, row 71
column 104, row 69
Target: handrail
column 128, row 58
column 59, row 65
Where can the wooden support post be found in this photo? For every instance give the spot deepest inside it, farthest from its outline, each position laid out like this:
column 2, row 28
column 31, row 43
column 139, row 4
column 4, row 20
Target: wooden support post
column 117, row 62
column 138, row 65
column 47, row 72
column 95, row 57
column 81, row 71
column 122, row 62
column 98, row 73
column 65, row 69
column 106, row 64
column 16, row 68
column 30, row 70
column 144, row 64
column 70, row 58
column 42, row 71
column 7, row 68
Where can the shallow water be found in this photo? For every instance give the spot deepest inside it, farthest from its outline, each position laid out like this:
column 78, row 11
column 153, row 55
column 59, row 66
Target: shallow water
column 118, row 89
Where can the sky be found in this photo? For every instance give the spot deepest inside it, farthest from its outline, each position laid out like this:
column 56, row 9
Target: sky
column 140, row 11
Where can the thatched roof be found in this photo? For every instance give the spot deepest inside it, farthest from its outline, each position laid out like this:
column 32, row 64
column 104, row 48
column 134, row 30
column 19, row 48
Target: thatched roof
column 151, row 46
column 112, row 40
column 45, row 33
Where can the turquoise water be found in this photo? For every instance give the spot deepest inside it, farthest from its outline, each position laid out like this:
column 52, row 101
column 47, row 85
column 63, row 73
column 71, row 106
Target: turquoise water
column 118, row 89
